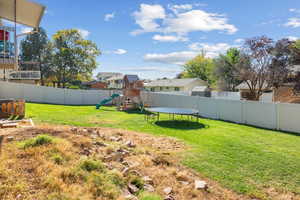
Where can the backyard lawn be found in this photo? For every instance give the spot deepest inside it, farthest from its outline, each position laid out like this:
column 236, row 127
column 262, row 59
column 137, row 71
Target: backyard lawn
column 248, row 160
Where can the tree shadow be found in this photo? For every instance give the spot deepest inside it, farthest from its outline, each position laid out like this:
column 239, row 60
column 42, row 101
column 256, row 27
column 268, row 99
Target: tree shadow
column 181, row 124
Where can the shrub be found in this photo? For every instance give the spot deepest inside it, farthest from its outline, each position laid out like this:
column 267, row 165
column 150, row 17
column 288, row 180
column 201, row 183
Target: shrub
column 58, row 159
column 102, row 186
column 38, row 141
column 149, row 196
column 92, row 165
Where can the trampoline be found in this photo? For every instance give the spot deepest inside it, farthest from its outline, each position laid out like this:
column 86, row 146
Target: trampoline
column 190, row 113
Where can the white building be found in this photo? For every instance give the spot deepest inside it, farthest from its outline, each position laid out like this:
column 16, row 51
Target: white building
column 171, row 85
column 115, row 82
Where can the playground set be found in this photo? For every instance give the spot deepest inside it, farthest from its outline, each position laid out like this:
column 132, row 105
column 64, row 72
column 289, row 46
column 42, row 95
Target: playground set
column 131, row 95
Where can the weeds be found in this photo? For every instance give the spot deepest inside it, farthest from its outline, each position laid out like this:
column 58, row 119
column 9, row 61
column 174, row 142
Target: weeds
column 37, row 141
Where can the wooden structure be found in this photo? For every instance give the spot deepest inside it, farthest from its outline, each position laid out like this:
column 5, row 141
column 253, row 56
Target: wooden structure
column 12, row 108
column 131, row 98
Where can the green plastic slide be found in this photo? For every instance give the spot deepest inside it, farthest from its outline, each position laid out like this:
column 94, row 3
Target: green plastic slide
column 105, row 101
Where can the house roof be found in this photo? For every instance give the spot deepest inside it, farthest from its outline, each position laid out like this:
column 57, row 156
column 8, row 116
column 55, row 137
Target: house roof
column 172, row 82
column 27, row 13
column 117, row 77
column 244, row 86
column 131, row 78
column 200, row 89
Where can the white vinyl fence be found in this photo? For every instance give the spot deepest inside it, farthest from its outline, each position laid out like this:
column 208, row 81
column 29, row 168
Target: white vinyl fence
column 41, row 94
column 278, row 116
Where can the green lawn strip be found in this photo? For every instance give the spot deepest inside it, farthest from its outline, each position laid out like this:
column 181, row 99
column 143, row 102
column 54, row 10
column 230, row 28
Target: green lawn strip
column 243, row 158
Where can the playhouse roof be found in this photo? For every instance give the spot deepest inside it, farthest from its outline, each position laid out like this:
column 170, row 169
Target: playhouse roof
column 27, row 13
column 131, row 78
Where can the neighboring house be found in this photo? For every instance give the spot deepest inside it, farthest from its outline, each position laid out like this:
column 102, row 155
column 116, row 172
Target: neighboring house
column 103, row 76
column 95, row 85
column 245, row 91
column 171, row 85
column 115, row 82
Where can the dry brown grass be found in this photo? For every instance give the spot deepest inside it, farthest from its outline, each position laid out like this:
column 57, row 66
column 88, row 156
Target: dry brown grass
column 54, row 171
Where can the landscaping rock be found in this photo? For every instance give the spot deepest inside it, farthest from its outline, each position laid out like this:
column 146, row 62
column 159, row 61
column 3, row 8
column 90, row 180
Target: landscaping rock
column 149, row 188
column 132, row 188
column 115, row 139
column 100, row 144
column 200, row 185
column 10, row 138
column 168, row 190
column 148, row 180
column 130, row 144
column 169, row 197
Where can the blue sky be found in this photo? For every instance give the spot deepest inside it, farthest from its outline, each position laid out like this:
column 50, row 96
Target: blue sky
column 153, row 38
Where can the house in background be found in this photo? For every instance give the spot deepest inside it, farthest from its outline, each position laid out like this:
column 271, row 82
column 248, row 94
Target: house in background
column 245, row 91
column 94, row 85
column 103, row 76
column 115, row 82
column 174, row 85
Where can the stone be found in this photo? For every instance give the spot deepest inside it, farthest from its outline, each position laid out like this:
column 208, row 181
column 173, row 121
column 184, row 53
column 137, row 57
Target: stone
column 100, row 144
column 130, row 144
column 168, row 190
column 200, row 185
column 149, row 188
column 132, row 188
column 125, row 170
column 148, row 180
column 115, row 139
column 169, row 197
column 184, row 182
column 10, row 138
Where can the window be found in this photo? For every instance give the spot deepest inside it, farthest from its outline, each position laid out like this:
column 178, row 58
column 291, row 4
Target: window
column 177, row 88
column 167, row 88
column 152, row 89
column 161, row 88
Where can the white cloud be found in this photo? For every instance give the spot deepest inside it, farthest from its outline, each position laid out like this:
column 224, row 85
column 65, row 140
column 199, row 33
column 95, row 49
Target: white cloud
column 146, row 18
column 84, row 33
column 198, row 20
column 26, row 30
column 293, row 22
column 151, row 69
column 180, row 8
column 181, row 57
column 120, row 51
column 169, row 38
column 179, row 22
column 239, row 40
column 294, row 10
column 211, row 50
column 292, row 38
column 109, row 16
column 178, row 58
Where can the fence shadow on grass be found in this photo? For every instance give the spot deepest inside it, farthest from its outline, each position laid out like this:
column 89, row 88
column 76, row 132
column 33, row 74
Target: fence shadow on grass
column 181, row 124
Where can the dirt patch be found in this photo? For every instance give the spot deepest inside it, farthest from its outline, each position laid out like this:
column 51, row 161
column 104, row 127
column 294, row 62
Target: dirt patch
column 142, row 162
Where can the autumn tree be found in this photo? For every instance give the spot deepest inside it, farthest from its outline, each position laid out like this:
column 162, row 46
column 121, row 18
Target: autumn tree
column 74, row 57
column 226, row 69
column 200, row 67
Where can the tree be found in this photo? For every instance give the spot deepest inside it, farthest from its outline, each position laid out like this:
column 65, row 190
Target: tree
column 264, row 64
column 200, row 67
column 281, row 61
column 254, row 65
column 36, row 47
column 226, row 69
column 74, row 57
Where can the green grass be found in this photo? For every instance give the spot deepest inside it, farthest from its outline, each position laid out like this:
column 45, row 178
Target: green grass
column 37, row 141
column 243, row 158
